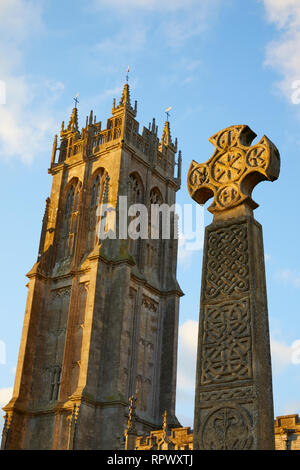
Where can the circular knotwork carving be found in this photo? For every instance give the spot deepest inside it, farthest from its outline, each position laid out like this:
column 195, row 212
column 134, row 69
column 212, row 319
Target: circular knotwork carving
column 229, row 167
column 226, row 343
column 256, row 157
column 199, row 176
column 227, row 428
column 227, row 138
column 228, row 195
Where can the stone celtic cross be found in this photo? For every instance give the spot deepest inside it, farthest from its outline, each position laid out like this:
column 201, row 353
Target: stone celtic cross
column 234, row 169
column 233, row 402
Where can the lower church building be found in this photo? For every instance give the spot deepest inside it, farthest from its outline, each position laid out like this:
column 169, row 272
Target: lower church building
column 286, row 429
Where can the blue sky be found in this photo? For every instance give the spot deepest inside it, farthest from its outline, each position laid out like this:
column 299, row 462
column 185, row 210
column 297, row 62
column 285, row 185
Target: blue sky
column 217, row 63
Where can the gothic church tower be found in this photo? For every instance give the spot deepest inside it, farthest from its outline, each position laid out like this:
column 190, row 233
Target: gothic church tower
column 101, row 320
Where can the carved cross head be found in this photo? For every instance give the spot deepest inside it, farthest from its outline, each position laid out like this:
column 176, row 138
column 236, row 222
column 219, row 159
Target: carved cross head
column 233, row 171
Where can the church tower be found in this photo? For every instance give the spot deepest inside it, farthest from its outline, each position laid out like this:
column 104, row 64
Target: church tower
column 101, row 319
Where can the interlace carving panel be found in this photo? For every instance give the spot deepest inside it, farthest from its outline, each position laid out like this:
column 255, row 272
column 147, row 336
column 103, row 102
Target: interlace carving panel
column 240, row 393
column 226, row 342
column 227, row 262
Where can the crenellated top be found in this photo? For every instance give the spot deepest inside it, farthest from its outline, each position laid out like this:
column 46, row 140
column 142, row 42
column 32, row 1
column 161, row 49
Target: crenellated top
column 122, row 128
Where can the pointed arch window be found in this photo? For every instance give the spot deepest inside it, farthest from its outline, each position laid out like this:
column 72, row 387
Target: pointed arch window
column 155, row 196
column 70, row 221
column 136, row 197
column 55, row 383
column 136, row 189
column 153, row 246
column 96, row 194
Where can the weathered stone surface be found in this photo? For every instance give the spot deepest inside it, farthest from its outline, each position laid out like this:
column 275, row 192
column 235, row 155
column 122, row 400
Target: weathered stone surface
column 233, row 404
column 287, row 432
column 234, row 170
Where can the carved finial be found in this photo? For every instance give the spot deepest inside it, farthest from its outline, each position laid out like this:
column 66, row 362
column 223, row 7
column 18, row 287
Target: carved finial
column 54, row 149
column 153, row 129
column 73, row 124
column 125, row 103
column 131, row 414
column 130, row 432
column 125, row 98
column 166, row 136
column 5, row 430
column 234, row 170
column 165, row 423
column 179, row 165
column 75, row 413
column 91, row 118
column 7, row 422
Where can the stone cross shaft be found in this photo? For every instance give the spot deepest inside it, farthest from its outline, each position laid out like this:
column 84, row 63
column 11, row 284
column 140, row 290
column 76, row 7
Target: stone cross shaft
column 233, row 400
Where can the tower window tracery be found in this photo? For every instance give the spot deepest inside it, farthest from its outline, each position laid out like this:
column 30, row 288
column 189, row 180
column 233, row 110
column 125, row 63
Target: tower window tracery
column 70, row 221
column 153, row 245
column 96, row 195
column 55, row 383
column 136, row 197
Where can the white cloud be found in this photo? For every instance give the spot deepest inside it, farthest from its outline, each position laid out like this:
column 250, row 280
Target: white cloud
column 193, row 20
column 187, row 248
column 268, row 258
column 188, row 337
column 281, row 356
column 152, row 5
column 5, row 395
column 123, row 41
column 283, row 54
column 185, row 255
column 19, row 18
column 25, row 126
column 26, row 122
column 175, row 21
column 283, row 12
column 190, row 241
column 289, row 277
